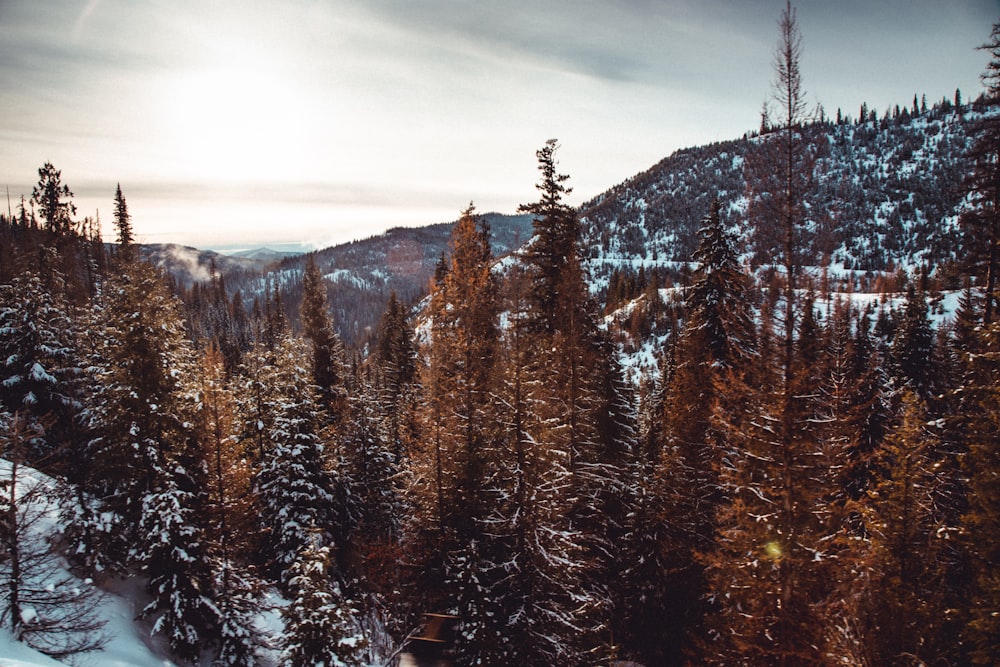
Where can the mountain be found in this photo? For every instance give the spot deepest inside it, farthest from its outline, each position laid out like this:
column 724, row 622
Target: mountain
column 362, row 274
column 263, row 254
column 887, row 194
column 188, row 265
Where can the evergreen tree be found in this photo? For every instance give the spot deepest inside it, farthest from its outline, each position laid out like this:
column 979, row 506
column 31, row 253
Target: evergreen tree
column 319, row 627
column 564, row 437
column 717, row 342
column 981, row 224
column 771, row 572
column 911, row 356
column 980, row 405
column 394, row 360
column 295, row 487
column 173, row 554
column 48, row 195
column 228, row 513
column 910, row 603
column 41, row 368
column 123, row 222
column 459, row 450
column 554, row 242
column 328, row 367
column 141, row 414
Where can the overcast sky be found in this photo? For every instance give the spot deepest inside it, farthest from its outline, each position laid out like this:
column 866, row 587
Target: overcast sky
column 325, row 121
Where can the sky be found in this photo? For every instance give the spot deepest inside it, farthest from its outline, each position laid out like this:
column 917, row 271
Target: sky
column 245, row 124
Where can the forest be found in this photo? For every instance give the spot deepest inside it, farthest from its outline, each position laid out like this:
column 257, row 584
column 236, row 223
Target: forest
column 793, row 486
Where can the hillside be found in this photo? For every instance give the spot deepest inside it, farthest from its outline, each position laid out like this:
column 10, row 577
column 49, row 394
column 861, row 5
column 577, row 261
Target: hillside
column 362, row 274
column 887, row 194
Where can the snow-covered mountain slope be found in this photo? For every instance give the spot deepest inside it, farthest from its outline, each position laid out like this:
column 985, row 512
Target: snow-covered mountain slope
column 887, row 193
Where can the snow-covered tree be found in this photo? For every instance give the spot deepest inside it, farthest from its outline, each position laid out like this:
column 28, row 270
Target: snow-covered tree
column 142, row 411
column 40, row 603
column 172, row 553
column 297, row 492
column 716, row 346
column 329, row 372
column 319, row 622
column 41, row 368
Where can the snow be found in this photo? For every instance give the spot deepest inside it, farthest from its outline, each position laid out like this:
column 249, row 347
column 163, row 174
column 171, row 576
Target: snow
column 127, row 646
column 15, row 654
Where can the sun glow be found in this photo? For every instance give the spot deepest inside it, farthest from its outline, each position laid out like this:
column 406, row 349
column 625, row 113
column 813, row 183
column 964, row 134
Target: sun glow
column 237, row 124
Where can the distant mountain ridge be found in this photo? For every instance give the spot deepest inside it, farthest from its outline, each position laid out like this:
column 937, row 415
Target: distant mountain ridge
column 263, row 254
column 188, row 265
column 888, row 193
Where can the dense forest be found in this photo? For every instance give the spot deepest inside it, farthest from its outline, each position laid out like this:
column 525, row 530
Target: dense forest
column 793, row 486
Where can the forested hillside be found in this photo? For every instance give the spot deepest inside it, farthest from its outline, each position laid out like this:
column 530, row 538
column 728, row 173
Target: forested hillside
column 888, row 191
column 794, row 485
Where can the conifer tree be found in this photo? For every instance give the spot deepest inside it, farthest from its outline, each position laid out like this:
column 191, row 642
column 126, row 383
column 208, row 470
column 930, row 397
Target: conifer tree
column 41, row 368
column 394, row 360
column 716, row 345
column 771, row 571
column 296, row 490
column 374, row 468
column 911, row 355
column 980, row 405
column 563, row 435
column 173, row 554
column 981, row 224
column 328, row 366
column 459, row 452
column 142, row 414
column 228, row 513
column 554, row 242
column 319, row 625
column 123, row 223
column 48, row 194
column 910, row 600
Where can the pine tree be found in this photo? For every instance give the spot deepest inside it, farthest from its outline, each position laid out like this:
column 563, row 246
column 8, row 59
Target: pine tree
column 374, row 469
column 296, row 490
column 123, row 222
column 980, row 405
column 172, row 553
column 911, row 357
column 319, row 626
column 458, row 452
column 981, row 224
column 717, row 342
column 228, row 513
column 554, row 242
column 908, row 568
column 141, row 413
column 328, row 367
column 772, row 569
column 48, row 194
column 394, row 359
column 566, row 494
column 41, row 368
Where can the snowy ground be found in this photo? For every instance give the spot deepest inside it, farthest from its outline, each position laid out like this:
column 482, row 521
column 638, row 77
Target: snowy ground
column 129, row 644
column 129, row 641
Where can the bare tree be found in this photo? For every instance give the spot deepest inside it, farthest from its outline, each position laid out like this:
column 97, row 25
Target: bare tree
column 40, row 603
